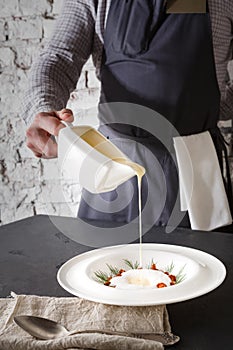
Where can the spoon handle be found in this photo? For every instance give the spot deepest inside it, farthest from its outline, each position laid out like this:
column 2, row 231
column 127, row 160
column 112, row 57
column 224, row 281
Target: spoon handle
column 164, row 338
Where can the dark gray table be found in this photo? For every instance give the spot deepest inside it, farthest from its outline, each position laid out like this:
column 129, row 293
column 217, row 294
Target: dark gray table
column 32, row 250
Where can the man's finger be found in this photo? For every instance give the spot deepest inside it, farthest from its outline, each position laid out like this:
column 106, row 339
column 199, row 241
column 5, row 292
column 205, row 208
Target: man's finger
column 44, row 125
column 49, row 149
column 40, row 142
column 48, row 123
column 66, row 115
column 34, row 149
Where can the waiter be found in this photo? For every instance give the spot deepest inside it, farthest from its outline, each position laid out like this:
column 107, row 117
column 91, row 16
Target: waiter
column 148, row 53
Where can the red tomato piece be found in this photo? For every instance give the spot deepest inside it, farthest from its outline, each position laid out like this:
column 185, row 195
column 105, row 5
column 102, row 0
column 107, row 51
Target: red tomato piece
column 173, row 278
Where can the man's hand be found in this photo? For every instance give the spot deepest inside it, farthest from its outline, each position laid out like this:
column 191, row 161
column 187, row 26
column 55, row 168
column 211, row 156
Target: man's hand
column 44, row 125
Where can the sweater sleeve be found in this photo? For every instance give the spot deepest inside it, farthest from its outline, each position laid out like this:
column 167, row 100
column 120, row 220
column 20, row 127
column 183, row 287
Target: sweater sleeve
column 57, row 69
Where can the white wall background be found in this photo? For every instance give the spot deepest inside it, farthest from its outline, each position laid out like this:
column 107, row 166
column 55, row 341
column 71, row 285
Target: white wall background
column 28, row 185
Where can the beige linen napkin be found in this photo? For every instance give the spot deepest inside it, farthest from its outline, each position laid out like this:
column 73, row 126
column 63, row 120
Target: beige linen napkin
column 81, row 314
column 202, row 191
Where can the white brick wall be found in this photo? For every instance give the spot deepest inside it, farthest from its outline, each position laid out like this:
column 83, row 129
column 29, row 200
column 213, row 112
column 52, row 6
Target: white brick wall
column 28, row 185
column 9, row 8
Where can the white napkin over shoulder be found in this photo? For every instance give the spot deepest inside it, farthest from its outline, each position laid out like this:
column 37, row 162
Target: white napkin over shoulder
column 202, row 191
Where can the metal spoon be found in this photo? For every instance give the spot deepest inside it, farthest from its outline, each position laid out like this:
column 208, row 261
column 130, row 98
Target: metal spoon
column 45, row 329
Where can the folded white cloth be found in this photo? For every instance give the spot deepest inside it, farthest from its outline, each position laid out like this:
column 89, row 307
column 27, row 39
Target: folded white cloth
column 81, row 314
column 202, row 191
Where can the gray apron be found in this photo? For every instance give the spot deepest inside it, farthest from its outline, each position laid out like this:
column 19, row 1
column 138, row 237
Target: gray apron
column 163, row 62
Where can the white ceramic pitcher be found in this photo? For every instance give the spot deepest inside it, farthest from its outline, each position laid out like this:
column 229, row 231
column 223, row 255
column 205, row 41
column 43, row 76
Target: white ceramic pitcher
column 87, row 157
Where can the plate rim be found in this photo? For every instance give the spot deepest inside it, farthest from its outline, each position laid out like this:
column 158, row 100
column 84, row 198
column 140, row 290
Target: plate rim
column 176, row 299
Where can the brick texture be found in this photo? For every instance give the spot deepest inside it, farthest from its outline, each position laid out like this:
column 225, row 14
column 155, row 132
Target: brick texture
column 30, row 186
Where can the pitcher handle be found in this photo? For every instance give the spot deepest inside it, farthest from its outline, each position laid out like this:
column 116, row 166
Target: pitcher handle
column 67, row 124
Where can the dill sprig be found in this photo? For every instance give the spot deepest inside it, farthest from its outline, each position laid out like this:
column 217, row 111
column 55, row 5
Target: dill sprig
column 101, row 276
column 180, row 276
column 148, row 266
column 113, row 269
column 170, row 268
column 131, row 265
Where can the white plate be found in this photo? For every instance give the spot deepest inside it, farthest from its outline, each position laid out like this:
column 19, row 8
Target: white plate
column 203, row 273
